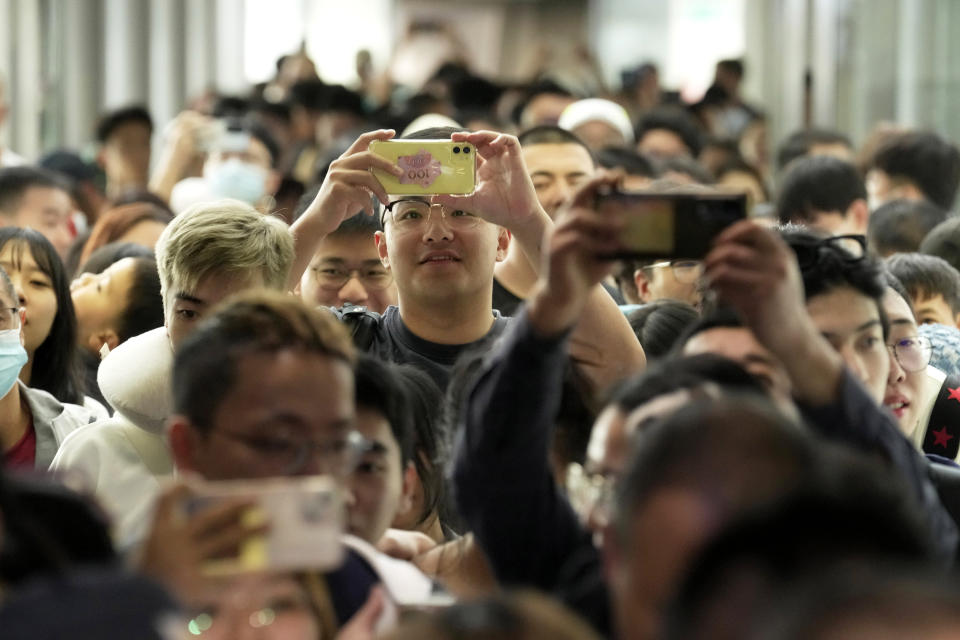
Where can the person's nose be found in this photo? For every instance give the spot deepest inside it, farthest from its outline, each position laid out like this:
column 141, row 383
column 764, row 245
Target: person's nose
column 854, row 363
column 897, row 374
column 81, row 281
column 556, row 197
column 18, row 286
column 352, row 292
column 437, row 229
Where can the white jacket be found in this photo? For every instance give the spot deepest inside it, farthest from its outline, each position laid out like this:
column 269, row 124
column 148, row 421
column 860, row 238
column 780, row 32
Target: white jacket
column 122, row 460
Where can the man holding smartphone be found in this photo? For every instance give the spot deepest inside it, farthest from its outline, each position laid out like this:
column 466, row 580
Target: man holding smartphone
column 444, row 268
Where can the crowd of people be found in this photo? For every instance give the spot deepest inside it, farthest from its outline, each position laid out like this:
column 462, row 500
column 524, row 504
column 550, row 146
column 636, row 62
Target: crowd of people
column 525, row 438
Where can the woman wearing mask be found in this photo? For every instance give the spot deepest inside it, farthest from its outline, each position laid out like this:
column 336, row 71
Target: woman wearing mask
column 32, row 422
column 49, row 322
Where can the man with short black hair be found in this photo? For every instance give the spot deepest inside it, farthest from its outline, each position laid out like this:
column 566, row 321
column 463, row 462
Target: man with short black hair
column 668, row 132
column 37, row 199
column 899, row 226
column 943, row 241
column 824, row 193
column 124, row 139
column 346, row 268
column 932, row 284
column 916, row 165
column 814, row 142
column 723, row 333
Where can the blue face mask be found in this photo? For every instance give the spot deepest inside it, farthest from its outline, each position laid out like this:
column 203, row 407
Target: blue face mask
column 237, row 179
column 12, row 358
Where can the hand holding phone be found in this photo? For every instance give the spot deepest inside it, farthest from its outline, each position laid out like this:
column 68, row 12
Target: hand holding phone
column 671, row 226
column 429, row 167
column 301, row 520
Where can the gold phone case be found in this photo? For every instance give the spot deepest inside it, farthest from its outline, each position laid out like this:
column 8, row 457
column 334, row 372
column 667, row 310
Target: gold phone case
column 431, row 166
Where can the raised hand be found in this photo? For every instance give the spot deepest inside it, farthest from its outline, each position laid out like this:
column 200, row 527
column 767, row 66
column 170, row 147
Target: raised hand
column 349, row 183
column 573, row 264
column 504, row 194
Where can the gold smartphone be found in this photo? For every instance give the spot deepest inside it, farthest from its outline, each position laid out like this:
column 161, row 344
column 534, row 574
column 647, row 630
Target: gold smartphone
column 431, row 166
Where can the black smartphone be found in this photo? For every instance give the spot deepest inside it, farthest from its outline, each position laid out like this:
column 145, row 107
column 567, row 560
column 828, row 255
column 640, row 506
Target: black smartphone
column 670, row 226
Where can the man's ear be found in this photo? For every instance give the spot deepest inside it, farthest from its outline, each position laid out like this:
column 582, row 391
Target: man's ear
column 858, row 216
column 503, row 243
column 956, row 320
column 380, row 239
column 184, row 443
column 643, row 285
column 108, row 337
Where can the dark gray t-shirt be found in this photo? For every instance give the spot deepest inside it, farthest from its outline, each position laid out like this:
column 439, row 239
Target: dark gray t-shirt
column 394, row 342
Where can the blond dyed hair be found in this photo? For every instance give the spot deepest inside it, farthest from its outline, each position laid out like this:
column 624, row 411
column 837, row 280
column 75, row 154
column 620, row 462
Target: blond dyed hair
column 226, row 237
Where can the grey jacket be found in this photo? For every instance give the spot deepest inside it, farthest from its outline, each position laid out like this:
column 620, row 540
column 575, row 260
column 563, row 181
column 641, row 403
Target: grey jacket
column 52, row 422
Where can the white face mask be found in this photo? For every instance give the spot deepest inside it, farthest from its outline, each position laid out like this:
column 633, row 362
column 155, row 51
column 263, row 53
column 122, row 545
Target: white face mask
column 237, row 179
column 12, row 358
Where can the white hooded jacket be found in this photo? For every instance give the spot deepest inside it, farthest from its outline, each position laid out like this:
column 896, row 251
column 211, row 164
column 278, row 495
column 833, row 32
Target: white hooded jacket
column 122, row 460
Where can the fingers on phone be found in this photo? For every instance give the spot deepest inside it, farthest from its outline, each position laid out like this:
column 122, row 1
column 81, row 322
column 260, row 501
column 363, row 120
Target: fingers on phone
column 361, row 143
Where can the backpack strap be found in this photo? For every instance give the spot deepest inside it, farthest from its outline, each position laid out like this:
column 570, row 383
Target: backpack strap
column 943, row 430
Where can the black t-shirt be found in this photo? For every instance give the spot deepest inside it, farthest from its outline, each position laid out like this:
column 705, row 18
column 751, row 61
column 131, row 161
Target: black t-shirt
column 504, row 301
column 394, row 342
column 508, row 304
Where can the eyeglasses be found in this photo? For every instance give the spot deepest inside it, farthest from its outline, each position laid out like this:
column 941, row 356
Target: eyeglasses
column 288, row 455
column 9, row 318
column 686, row 271
column 414, row 215
column 852, row 248
column 335, row 278
column 913, row 354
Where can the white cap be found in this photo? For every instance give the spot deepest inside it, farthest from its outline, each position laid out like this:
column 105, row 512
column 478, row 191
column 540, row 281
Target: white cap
column 429, row 121
column 597, row 109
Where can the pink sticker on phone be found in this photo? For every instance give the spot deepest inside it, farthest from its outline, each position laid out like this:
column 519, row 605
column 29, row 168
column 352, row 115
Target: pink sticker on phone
column 422, row 168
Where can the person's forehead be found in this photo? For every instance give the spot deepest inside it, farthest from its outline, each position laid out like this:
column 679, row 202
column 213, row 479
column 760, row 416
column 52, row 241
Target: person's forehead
column 374, row 426
column 215, row 287
column 935, row 300
column 38, row 197
column 347, row 247
column 896, row 308
column 736, row 342
column 842, row 309
column 658, row 407
column 608, row 429
column 130, row 129
column 557, row 158
column 302, row 389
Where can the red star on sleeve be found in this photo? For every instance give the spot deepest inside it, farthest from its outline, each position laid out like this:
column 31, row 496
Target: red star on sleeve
column 941, row 438
column 954, row 394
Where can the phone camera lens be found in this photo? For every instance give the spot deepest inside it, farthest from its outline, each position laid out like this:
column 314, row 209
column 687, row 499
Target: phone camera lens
column 456, row 149
column 466, row 149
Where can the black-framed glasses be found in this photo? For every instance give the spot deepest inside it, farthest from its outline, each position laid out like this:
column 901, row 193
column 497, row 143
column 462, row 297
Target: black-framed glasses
column 852, row 248
column 335, row 278
column 9, row 318
column 913, row 353
column 289, row 455
column 686, row 271
column 413, row 214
